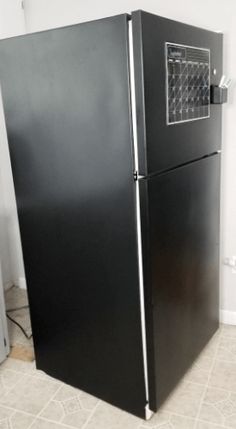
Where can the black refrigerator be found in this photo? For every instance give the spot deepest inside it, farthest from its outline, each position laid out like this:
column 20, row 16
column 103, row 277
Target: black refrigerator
column 115, row 152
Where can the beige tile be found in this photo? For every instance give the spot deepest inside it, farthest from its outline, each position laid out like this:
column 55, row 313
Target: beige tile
column 45, row 424
column 54, row 411
column 21, row 421
column 17, row 365
column 228, row 331
column 72, row 405
column 88, row 402
column 158, row 419
column 224, row 375
column 4, row 424
column 163, row 419
column 185, row 400
column 163, row 426
column 66, row 392
column 214, row 395
column 30, row 395
column 179, row 422
column 219, row 407
column 5, row 413
column 206, row 425
column 211, row 414
column 76, row 419
column 204, row 362
column 9, row 377
column 211, row 348
column 197, row 375
column 227, row 349
column 230, row 421
column 109, row 417
column 3, row 389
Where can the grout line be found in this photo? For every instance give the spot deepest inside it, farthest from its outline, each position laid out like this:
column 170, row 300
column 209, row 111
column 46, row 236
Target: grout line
column 16, row 410
column 91, row 415
column 45, row 406
column 214, row 425
column 62, row 425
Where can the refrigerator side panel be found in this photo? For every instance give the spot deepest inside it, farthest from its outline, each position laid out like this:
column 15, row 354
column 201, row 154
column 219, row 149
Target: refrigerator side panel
column 67, row 106
column 182, row 87
column 183, row 266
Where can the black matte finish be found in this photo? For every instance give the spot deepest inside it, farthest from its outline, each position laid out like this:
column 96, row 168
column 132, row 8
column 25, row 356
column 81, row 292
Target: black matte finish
column 66, row 96
column 160, row 146
column 182, row 267
column 67, row 106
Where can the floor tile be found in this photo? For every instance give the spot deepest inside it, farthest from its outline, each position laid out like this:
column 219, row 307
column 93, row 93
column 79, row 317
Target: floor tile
column 9, row 378
column 17, row 365
column 30, row 395
column 223, row 375
column 45, row 424
column 210, row 413
column 164, row 419
column 158, row 419
column 21, row 421
column 4, row 424
column 5, row 413
column 54, row 411
column 228, row 331
column 185, row 400
column 3, row 389
column 205, row 425
column 179, row 422
column 212, row 346
column 87, row 401
column 219, row 407
column 76, row 419
column 66, row 392
column 197, row 375
column 109, row 417
column 163, row 426
column 227, row 349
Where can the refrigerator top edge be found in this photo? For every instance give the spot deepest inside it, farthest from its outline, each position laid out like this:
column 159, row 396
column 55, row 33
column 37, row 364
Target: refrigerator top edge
column 170, row 20
column 82, row 23
column 128, row 16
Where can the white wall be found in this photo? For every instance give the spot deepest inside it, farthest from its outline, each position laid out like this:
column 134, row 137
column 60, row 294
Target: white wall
column 11, row 23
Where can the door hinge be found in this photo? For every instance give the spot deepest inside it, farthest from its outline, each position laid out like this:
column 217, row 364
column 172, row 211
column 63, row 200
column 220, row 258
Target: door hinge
column 138, row 176
column 5, row 342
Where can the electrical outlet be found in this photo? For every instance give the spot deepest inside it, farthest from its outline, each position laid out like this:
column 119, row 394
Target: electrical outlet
column 231, row 262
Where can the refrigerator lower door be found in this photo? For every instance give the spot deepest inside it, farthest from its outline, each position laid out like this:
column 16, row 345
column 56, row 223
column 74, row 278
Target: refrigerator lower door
column 181, row 270
column 67, row 106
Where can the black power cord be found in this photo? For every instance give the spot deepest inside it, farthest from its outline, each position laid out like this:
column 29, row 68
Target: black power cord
column 19, row 326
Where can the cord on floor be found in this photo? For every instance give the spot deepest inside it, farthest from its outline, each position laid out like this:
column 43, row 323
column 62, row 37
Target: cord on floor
column 19, row 326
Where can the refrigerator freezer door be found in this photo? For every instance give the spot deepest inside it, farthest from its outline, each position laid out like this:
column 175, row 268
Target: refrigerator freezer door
column 67, row 106
column 181, row 239
column 180, row 86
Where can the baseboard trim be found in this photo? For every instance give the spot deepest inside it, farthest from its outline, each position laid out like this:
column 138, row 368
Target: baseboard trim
column 21, row 283
column 228, row 317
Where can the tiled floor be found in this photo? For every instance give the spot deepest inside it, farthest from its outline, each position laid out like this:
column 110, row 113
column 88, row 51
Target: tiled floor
column 17, row 298
column 205, row 399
